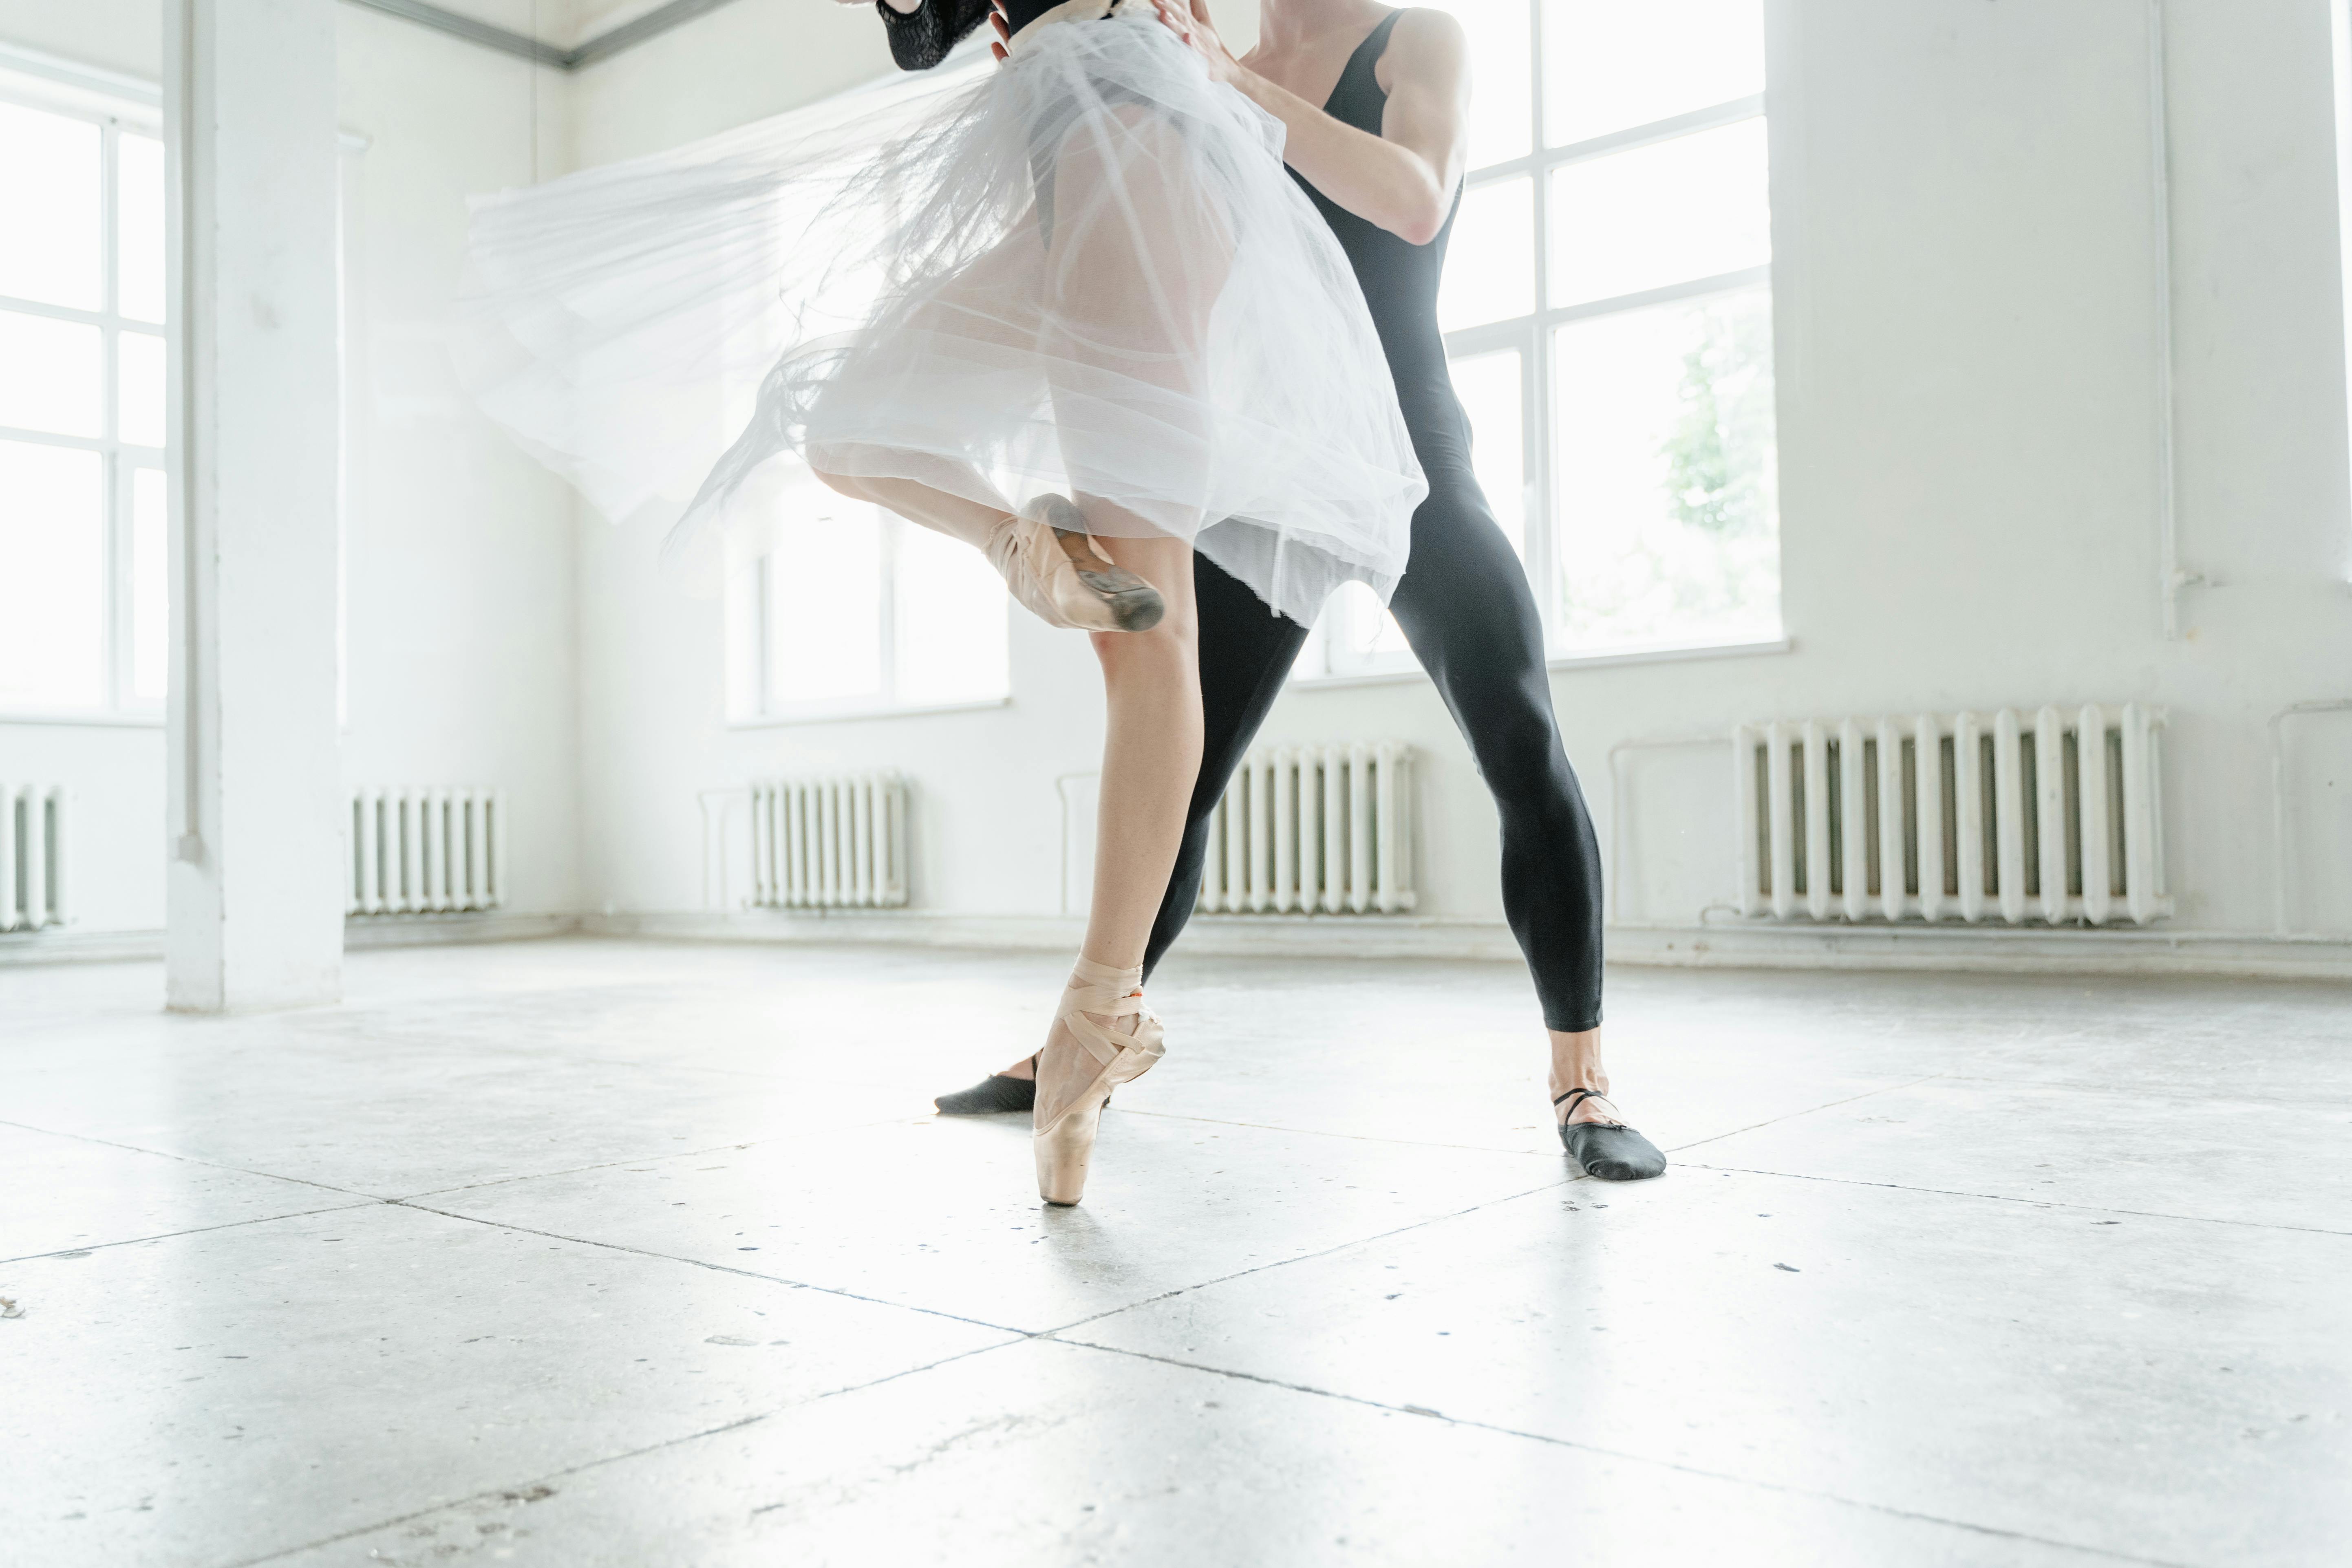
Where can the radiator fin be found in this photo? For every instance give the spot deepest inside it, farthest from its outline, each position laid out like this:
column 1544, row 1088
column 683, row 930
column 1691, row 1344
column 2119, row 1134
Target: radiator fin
column 2009, row 816
column 426, row 851
column 829, row 843
column 1314, row 830
column 32, row 856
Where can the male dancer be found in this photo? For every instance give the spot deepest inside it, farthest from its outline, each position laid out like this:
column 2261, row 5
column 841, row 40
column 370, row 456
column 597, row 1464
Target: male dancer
column 1375, row 102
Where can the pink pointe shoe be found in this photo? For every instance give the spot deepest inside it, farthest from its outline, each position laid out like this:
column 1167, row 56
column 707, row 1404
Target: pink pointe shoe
column 1050, row 562
column 1106, row 1057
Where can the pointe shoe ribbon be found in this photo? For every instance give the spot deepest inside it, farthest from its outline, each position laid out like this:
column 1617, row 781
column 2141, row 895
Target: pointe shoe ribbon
column 1098, row 988
column 1026, row 555
column 1065, row 1137
column 1055, row 568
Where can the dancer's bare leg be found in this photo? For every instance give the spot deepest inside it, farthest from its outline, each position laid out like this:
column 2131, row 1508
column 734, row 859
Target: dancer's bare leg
column 1576, row 1064
column 1151, row 753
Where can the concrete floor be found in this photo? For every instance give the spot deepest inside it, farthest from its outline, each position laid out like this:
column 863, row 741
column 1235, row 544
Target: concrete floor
column 600, row 1253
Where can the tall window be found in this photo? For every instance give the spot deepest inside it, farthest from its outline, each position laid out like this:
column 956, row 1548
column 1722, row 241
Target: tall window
column 82, row 498
column 1607, row 306
column 860, row 611
column 857, row 612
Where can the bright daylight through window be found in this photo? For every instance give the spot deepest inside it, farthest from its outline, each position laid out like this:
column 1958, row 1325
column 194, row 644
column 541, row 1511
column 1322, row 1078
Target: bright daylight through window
column 856, row 611
column 1607, row 305
column 862, row 612
column 82, row 497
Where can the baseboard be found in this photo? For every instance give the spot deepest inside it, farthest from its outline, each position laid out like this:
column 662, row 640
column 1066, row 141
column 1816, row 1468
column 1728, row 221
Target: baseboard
column 912, row 928
column 426, row 930
column 1727, row 946
column 376, row 930
column 80, row 947
column 1982, row 949
column 1758, row 946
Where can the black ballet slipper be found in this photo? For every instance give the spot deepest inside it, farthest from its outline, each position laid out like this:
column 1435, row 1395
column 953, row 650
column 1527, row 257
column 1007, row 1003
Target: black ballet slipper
column 1609, row 1151
column 995, row 1095
column 989, row 1095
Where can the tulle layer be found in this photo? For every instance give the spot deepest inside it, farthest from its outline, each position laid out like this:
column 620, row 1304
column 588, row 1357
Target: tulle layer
column 1086, row 272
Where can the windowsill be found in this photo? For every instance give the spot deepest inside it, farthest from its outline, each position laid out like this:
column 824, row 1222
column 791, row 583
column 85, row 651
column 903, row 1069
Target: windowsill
column 85, row 720
column 1670, row 653
column 895, row 711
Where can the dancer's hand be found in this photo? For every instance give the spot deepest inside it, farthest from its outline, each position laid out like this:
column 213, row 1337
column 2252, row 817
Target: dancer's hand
column 1004, row 32
column 1200, row 34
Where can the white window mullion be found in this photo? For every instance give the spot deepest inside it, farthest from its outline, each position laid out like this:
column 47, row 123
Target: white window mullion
column 116, row 497
column 1542, row 509
column 887, row 622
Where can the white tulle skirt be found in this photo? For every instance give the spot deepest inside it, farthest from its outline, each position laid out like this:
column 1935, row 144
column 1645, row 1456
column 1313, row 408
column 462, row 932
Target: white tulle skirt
column 1088, row 272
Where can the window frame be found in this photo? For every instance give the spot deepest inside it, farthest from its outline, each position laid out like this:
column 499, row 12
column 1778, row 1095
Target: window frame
column 116, row 106
column 751, row 658
column 1532, row 337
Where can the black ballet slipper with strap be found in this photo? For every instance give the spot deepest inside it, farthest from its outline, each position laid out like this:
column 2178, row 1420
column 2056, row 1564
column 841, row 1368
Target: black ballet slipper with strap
column 1609, row 1151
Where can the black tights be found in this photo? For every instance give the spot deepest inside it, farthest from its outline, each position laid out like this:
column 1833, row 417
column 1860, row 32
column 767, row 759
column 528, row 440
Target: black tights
column 1466, row 609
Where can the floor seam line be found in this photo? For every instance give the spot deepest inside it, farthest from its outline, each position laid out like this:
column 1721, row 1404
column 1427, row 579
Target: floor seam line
column 612, row 1164
column 1305, row 1257
column 724, row 1426
column 1809, row 1111
column 2007, row 1199
column 192, row 1230
column 2335, row 1103
column 1425, row 1413
column 194, row 1159
column 715, row 1268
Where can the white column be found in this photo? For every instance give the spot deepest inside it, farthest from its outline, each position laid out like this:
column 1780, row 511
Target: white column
column 254, row 906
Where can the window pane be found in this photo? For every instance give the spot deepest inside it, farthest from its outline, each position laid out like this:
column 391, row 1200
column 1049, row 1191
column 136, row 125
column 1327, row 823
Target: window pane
column 1360, row 628
column 1696, row 206
column 1501, row 100
column 50, row 375
column 1668, row 523
column 825, row 605
column 140, row 382
column 1609, row 65
column 53, row 590
column 1490, row 270
column 1491, row 395
column 951, row 621
column 150, row 591
column 49, row 185
column 139, row 226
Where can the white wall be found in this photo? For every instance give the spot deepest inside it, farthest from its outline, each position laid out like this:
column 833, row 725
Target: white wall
column 1967, row 339
column 458, row 551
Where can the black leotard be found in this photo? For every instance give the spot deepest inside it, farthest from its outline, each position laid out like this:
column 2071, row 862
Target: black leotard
column 1399, row 279
column 1466, row 607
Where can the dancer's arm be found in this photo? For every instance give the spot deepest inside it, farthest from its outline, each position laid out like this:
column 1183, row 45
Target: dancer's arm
column 1404, row 178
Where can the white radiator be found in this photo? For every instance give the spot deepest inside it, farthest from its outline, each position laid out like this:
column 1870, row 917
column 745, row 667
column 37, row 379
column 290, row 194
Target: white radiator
column 1314, row 830
column 2052, row 815
column 426, row 851
column 829, row 843
column 32, row 856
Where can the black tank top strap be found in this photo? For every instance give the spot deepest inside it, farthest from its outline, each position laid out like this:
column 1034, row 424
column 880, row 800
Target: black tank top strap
column 1358, row 100
column 1400, row 281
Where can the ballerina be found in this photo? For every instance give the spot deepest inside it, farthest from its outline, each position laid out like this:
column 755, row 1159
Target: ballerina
column 1076, row 315
column 1376, row 102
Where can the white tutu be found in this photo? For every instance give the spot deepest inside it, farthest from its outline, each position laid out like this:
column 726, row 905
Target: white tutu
column 1085, row 273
